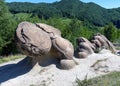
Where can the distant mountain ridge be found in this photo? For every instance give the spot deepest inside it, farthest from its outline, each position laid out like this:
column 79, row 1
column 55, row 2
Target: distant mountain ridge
column 91, row 12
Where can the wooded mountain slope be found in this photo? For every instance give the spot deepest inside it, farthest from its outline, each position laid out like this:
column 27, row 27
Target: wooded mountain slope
column 91, row 12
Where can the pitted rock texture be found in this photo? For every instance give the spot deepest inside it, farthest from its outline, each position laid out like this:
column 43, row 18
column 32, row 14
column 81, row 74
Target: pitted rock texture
column 44, row 44
column 31, row 40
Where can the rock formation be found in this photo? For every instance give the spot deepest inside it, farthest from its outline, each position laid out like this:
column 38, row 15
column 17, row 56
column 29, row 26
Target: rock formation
column 31, row 40
column 101, row 42
column 84, row 48
column 49, row 29
column 42, row 42
column 98, row 43
column 60, row 44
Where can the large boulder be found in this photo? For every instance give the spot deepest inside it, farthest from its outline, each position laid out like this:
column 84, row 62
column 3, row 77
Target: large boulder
column 110, row 45
column 49, row 29
column 98, row 40
column 67, row 64
column 96, row 43
column 64, row 47
column 82, row 39
column 84, row 48
column 101, row 42
column 31, row 40
column 43, row 44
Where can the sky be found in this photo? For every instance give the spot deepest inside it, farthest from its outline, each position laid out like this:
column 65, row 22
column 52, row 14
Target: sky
column 103, row 3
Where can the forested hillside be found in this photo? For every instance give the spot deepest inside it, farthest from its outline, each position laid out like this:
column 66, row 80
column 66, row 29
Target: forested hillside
column 91, row 12
column 73, row 17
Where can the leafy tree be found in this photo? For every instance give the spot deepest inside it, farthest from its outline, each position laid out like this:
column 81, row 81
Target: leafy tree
column 110, row 32
column 7, row 28
column 118, row 33
column 20, row 17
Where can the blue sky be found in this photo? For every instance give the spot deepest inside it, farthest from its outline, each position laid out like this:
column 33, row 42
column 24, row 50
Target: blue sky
column 103, row 3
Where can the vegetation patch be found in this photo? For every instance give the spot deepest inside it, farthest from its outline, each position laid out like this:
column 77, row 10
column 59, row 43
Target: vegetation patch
column 111, row 79
column 10, row 58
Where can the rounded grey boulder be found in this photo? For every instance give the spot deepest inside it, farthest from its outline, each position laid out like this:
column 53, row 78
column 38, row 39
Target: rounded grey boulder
column 44, row 44
column 67, row 64
column 101, row 40
column 64, row 47
column 31, row 40
column 84, row 48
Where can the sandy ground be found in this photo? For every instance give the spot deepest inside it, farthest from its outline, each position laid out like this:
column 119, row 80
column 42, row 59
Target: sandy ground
column 19, row 73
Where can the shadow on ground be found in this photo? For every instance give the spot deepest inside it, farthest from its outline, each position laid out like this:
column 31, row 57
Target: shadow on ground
column 11, row 71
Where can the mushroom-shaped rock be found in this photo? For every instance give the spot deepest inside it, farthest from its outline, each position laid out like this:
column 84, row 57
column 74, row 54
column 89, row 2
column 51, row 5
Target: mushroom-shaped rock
column 49, row 29
column 31, row 40
column 44, row 44
column 64, row 47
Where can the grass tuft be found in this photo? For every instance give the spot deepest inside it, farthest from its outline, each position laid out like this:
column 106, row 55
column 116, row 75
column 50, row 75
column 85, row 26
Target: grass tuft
column 111, row 79
column 10, row 58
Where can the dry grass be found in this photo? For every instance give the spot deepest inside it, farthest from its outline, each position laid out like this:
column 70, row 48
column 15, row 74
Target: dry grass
column 10, row 58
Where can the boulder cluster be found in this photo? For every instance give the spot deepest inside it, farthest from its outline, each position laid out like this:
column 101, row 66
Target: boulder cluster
column 98, row 42
column 42, row 42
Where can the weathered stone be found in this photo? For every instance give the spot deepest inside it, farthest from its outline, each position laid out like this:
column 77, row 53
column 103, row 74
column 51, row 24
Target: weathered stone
column 110, row 45
column 84, row 48
column 31, row 40
column 67, row 64
column 82, row 54
column 64, row 47
column 43, row 44
column 96, row 43
column 82, row 39
column 49, row 29
column 101, row 40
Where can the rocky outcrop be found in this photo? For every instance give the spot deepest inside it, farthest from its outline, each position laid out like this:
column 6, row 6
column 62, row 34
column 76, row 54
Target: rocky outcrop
column 97, row 43
column 42, row 42
column 31, row 40
column 101, row 42
column 64, row 47
column 84, row 48
column 49, row 29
